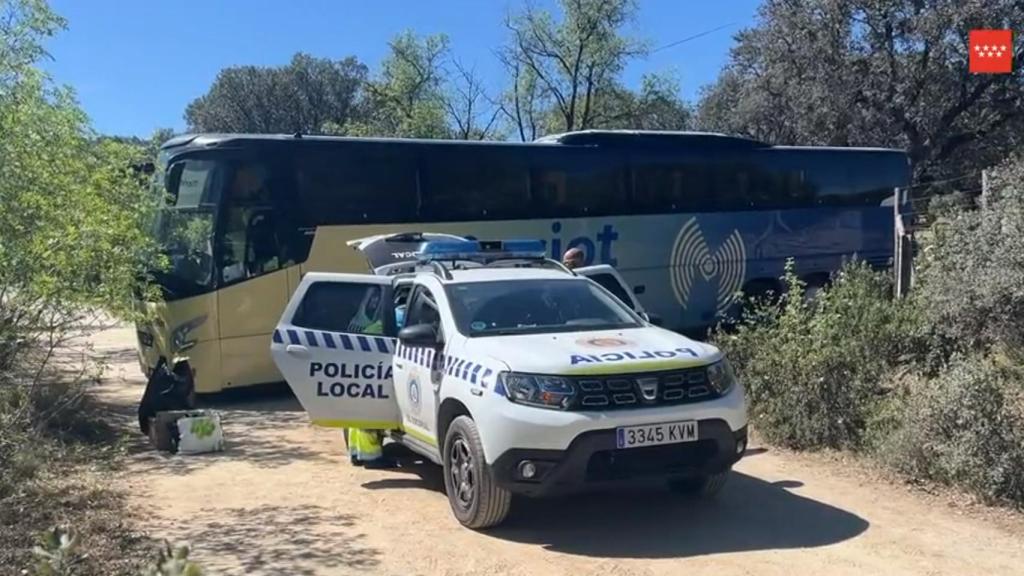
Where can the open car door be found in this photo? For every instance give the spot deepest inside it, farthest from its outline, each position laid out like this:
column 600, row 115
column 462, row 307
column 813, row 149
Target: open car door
column 334, row 347
column 610, row 279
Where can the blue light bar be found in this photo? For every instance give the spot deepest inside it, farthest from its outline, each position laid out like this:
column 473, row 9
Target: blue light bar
column 473, row 250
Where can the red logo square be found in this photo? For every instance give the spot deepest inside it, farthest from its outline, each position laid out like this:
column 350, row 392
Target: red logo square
column 991, row 52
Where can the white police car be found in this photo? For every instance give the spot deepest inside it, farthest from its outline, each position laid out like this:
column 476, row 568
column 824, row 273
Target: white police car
column 513, row 373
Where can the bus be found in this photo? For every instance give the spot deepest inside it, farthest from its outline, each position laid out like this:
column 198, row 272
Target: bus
column 689, row 220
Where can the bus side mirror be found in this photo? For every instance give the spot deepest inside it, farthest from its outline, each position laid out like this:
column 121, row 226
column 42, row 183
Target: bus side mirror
column 172, row 178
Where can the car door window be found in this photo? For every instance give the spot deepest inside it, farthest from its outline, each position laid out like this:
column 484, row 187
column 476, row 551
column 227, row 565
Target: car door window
column 610, row 283
column 341, row 307
column 423, row 310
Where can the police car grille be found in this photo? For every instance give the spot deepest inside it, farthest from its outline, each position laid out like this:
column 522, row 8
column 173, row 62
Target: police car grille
column 628, row 390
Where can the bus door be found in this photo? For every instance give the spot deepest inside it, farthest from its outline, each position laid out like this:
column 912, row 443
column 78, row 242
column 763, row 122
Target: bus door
column 254, row 266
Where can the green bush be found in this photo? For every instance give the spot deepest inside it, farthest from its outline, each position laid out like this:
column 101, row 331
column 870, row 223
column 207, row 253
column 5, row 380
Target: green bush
column 964, row 428
column 813, row 369
column 969, row 281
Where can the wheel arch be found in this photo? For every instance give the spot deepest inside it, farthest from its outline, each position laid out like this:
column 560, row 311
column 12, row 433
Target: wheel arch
column 450, row 409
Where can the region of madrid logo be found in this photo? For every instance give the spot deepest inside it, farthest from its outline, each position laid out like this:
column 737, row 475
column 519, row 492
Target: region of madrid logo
column 691, row 256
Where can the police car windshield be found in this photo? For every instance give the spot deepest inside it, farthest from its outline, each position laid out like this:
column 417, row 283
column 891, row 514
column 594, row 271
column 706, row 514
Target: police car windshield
column 535, row 306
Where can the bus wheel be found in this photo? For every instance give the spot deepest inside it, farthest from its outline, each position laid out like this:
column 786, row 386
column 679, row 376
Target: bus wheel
column 475, row 498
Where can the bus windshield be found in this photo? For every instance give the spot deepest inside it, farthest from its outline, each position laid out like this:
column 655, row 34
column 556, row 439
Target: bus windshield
column 185, row 236
column 535, row 307
column 184, row 229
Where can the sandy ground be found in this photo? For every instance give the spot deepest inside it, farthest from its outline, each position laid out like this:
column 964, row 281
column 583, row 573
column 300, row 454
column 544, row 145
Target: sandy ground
column 283, row 500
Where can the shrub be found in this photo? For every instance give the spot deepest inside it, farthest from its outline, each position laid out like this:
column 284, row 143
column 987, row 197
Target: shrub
column 970, row 273
column 813, row 370
column 964, row 427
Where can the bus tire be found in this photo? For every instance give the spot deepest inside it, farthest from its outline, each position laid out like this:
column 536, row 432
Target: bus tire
column 477, row 501
column 705, row 487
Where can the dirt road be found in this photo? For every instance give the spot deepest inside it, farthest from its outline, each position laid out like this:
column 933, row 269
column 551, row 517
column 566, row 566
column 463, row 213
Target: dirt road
column 283, row 500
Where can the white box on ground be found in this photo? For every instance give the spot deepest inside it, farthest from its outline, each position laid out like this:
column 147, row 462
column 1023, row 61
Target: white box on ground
column 199, row 434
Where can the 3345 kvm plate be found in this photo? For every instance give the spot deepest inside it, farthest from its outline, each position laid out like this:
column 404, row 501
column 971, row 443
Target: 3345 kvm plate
column 656, row 434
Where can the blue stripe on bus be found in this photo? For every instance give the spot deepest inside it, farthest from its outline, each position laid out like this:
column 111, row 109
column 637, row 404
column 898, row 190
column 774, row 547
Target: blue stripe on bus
column 483, row 379
column 329, row 340
column 311, row 339
column 293, row 336
column 382, row 345
column 476, row 370
column 277, row 337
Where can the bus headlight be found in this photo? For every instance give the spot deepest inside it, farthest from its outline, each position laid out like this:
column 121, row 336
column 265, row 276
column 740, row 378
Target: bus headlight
column 721, row 378
column 537, row 390
column 180, row 335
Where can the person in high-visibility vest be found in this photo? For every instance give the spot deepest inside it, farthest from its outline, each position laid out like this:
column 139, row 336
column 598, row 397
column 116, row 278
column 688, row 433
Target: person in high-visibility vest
column 366, row 447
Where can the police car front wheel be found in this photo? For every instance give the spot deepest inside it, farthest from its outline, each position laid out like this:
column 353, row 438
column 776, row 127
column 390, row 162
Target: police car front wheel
column 476, row 499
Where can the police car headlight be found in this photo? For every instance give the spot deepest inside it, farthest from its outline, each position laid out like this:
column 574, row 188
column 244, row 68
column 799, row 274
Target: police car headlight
column 721, row 378
column 536, row 390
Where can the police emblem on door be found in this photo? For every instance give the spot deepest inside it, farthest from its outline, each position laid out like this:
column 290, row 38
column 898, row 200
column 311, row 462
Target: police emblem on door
column 693, row 259
column 414, row 394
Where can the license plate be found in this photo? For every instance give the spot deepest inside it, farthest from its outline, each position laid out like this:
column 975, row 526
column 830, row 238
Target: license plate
column 656, row 434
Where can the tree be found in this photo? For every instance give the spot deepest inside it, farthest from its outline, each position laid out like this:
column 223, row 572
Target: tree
column 302, row 97
column 565, row 67
column 471, row 113
column 407, row 99
column 24, row 24
column 73, row 215
column 656, row 106
column 875, row 73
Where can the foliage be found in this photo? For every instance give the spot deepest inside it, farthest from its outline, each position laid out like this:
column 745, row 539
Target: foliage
column 306, row 95
column 406, row 98
column 656, row 106
column 74, row 220
column 863, row 72
column 565, row 72
column 813, row 368
column 931, row 384
column 24, row 24
column 970, row 277
column 964, row 428
column 55, row 552
column 73, row 249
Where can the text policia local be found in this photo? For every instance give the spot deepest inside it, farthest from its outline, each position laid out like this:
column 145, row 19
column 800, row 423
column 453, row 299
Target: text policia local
column 372, row 376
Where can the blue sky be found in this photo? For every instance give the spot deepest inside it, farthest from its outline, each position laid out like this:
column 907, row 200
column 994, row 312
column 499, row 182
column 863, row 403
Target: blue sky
column 136, row 65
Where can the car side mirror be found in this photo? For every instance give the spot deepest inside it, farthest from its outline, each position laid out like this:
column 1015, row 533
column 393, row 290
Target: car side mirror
column 420, row 335
column 652, row 318
column 639, row 289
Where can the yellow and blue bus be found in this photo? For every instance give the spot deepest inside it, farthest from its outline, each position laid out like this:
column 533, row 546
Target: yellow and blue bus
column 689, row 219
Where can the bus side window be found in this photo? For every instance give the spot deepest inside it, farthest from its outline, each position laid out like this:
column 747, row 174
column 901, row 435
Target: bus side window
column 578, row 183
column 474, row 183
column 251, row 240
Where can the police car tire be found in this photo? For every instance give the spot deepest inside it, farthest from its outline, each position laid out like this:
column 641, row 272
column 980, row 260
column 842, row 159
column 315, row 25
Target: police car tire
column 491, row 502
column 702, row 487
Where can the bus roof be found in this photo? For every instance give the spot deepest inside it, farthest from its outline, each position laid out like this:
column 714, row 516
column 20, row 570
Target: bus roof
column 590, row 138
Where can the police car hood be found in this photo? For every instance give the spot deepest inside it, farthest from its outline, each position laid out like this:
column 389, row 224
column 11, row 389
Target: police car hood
column 646, row 349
